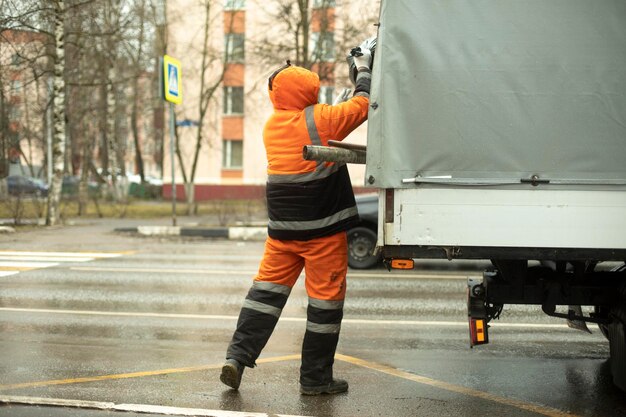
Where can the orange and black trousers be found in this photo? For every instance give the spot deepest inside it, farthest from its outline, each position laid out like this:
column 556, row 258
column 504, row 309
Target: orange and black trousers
column 324, row 261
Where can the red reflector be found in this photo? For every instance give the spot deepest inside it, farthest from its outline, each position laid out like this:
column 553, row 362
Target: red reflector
column 478, row 332
column 402, row 263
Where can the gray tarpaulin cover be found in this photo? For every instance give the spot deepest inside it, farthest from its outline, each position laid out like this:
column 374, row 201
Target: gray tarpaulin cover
column 499, row 89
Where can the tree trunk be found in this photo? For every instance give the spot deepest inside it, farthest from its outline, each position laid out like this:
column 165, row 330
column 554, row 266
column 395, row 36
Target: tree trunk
column 4, row 137
column 304, row 19
column 190, row 194
column 111, row 137
column 138, row 156
column 58, row 116
column 135, row 109
column 83, row 187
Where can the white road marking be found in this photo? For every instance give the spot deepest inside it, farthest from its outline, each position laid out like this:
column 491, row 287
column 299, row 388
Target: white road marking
column 12, row 262
column 137, row 408
column 44, row 258
column 163, row 270
column 254, row 272
column 425, row 323
column 62, row 254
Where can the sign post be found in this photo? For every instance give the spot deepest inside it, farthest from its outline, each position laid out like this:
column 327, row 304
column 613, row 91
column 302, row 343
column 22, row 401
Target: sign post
column 173, row 93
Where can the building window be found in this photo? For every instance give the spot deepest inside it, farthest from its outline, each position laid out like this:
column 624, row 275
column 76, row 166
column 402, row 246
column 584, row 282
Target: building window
column 232, row 154
column 235, row 4
column 323, row 46
column 233, row 100
column 323, row 4
column 16, row 86
column 16, row 59
column 326, row 94
column 15, row 113
column 234, row 47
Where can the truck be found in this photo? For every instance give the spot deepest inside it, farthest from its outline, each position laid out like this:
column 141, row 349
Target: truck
column 497, row 131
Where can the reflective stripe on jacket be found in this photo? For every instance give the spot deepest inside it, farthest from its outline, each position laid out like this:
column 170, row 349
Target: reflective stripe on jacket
column 306, row 199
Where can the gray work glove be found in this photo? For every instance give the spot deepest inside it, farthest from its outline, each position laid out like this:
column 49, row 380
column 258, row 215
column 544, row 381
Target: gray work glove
column 369, row 43
column 362, row 58
column 343, row 96
column 362, row 54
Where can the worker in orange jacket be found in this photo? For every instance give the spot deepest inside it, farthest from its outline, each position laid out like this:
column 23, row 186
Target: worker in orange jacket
column 310, row 207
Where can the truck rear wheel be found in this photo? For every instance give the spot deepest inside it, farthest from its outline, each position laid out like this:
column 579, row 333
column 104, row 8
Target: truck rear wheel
column 361, row 245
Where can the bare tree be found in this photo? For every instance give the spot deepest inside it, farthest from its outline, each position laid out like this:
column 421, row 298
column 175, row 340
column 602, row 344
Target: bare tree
column 135, row 50
column 290, row 17
column 135, row 102
column 58, row 113
column 311, row 37
column 120, row 35
column 5, row 140
column 47, row 18
column 211, row 76
column 96, row 52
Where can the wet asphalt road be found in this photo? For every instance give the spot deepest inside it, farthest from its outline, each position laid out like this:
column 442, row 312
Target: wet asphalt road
column 151, row 326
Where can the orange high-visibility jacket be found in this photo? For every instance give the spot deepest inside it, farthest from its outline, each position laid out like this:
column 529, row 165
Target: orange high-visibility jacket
column 307, row 199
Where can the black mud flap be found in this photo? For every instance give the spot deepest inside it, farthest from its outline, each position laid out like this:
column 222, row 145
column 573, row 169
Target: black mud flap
column 617, row 344
column 617, row 337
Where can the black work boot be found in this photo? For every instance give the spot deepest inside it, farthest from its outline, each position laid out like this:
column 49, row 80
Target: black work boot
column 231, row 373
column 335, row 387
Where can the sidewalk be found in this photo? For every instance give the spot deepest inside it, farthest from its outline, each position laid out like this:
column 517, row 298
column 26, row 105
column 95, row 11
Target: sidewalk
column 110, row 234
column 254, row 231
column 248, row 224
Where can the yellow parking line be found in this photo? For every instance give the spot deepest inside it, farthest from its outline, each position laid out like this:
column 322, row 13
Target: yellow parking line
column 546, row 411
column 537, row 409
column 132, row 374
column 17, row 268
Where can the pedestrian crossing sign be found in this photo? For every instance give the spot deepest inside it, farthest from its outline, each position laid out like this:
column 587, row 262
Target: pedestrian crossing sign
column 172, row 80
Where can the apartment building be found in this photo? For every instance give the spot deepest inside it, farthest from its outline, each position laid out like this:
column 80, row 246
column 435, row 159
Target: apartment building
column 246, row 41
column 22, row 101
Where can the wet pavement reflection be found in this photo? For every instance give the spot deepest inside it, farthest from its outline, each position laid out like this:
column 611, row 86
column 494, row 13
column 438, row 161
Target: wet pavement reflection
column 152, row 326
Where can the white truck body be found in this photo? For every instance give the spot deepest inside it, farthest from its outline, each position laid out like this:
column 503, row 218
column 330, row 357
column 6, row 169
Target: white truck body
column 452, row 217
column 500, row 124
column 497, row 130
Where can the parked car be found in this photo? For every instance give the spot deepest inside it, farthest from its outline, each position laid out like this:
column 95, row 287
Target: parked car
column 19, row 185
column 71, row 183
column 151, row 188
column 362, row 238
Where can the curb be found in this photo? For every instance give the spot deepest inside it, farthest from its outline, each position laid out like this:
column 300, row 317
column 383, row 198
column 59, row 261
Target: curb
column 233, row 233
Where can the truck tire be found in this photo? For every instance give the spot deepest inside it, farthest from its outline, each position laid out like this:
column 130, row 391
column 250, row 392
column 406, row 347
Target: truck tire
column 361, row 245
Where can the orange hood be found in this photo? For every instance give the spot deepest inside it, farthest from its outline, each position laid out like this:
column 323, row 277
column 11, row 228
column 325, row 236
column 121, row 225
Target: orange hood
column 294, row 88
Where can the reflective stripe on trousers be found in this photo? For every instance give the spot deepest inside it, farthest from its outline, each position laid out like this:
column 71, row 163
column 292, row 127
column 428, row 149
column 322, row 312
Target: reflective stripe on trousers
column 257, row 319
column 320, row 341
column 324, row 316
